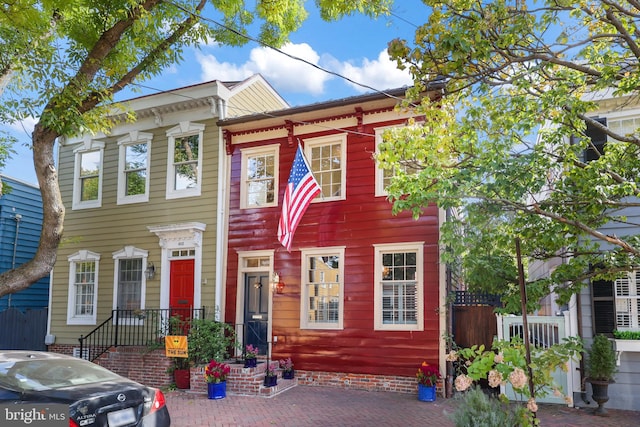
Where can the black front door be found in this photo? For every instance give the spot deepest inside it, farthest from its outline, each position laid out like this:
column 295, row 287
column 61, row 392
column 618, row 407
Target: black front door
column 256, row 310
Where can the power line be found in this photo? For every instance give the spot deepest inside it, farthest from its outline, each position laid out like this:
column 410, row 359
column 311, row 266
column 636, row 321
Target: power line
column 295, row 58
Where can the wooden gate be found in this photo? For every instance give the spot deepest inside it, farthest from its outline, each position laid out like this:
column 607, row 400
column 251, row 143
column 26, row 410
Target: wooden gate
column 474, row 321
column 544, row 331
column 23, row 331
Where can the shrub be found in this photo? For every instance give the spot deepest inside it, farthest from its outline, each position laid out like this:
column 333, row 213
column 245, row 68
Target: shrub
column 476, row 409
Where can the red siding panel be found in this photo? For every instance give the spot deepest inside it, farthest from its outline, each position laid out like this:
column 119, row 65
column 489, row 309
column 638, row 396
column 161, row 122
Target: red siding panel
column 358, row 223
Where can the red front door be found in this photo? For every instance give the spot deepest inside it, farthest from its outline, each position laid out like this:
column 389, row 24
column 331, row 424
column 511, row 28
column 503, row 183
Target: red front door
column 181, row 287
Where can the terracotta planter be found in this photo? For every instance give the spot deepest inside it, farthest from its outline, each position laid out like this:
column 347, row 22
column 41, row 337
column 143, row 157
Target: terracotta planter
column 182, row 377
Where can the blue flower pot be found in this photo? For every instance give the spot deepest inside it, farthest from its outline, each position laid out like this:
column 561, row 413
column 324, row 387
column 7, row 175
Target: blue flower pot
column 288, row 375
column 217, row 390
column 250, row 363
column 426, row 393
column 270, row 381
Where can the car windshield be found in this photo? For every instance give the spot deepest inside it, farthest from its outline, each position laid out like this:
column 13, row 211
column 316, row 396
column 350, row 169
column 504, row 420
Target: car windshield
column 51, row 374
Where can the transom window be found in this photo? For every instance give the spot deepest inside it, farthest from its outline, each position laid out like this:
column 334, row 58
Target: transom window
column 87, row 189
column 133, row 167
column 83, row 288
column 327, row 159
column 184, row 167
column 399, row 287
column 322, row 291
column 259, row 177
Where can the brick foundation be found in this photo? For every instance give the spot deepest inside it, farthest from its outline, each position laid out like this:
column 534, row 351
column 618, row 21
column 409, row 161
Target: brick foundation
column 150, row 368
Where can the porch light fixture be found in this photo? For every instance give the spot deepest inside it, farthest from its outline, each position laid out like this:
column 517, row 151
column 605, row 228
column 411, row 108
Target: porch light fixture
column 150, row 272
column 277, row 284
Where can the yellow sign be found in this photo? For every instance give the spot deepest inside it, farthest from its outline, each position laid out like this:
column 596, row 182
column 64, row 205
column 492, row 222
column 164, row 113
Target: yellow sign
column 176, row 346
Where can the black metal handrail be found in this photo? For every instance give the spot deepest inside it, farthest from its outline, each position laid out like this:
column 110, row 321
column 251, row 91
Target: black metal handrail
column 146, row 327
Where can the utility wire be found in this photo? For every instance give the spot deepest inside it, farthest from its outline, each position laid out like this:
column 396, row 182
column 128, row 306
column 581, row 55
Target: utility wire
column 296, row 58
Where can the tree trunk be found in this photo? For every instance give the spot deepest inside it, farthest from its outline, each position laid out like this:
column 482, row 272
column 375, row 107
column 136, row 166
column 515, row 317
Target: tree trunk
column 43, row 141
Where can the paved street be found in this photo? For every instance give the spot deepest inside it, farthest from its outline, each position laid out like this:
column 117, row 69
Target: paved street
column 304, row 406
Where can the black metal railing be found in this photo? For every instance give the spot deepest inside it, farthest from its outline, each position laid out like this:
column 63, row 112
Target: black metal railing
column 146, row 327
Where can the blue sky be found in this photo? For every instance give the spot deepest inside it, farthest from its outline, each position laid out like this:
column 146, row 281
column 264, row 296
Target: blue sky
column 354, row 47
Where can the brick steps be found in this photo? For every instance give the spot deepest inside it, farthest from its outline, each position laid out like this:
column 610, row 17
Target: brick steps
column 244, row 381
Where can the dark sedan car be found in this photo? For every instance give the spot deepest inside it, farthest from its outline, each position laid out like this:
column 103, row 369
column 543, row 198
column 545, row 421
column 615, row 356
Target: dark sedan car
column 95, row 396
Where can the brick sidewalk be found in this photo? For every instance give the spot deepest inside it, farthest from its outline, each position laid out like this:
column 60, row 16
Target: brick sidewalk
column 305, row 406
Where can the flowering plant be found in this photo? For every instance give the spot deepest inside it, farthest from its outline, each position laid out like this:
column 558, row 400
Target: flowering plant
column 271, row 370
column 428, row 374
column 216, row 372
column 251, row 351
column 286, row 364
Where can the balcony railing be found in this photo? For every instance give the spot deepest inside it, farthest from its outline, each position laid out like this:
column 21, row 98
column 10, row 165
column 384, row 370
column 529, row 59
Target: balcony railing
column 146, row 327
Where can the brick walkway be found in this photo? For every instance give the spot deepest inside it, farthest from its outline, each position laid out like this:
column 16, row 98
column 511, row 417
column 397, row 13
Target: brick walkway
column 304, row 406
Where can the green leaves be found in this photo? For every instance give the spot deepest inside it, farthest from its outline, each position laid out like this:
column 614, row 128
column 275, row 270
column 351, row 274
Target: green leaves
column 506, row 149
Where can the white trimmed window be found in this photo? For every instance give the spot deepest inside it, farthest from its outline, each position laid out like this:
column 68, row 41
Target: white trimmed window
column 327, row 158
column 133, row 167
column 184, row 163
column 129, row 287
column 384, row 176
column 398, row 287
column 83, row 288
column 627, row 302
column 322, row 304
column 87, row 175
column 259, row 186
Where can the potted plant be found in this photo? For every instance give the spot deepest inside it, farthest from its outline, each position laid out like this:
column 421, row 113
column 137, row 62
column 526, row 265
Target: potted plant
column 287, row 368
column 428, row 376
column 215, row 374
column 270, row 375
column 210, row 340
column 181, row 372
column 600, row 370
column 250, row 356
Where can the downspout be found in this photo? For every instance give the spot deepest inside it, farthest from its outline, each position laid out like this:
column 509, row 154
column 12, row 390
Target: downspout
column 450, row 373
column 17, row 218
column 220, row 223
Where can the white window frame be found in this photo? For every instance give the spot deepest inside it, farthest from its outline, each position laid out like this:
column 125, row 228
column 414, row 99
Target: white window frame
column 133, row 138
column 82, row 256
column 184, row 129
column 130, row 252
column 379, row 251
column 310, row 144
column 627, row 301
column 247, row 153
column 380, row 189
column 305, row 323
column 87, row 147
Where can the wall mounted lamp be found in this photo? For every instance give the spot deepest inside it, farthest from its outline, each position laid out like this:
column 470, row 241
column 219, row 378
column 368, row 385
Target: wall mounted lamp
column 277, row 284
column 150, row 272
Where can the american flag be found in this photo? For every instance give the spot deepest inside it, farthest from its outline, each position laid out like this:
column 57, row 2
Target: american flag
column 301, row 189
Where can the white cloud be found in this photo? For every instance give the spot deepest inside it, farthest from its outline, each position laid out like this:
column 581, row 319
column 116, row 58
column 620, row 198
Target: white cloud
column 283, row 72
column 24, row 126
column 291, row 76
column 380, row 74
